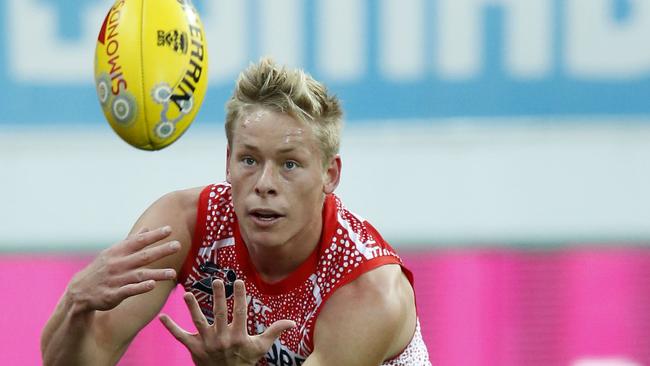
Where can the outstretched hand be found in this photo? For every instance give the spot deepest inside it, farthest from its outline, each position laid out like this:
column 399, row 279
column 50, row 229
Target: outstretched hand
column 221, row 343
column 120, row 271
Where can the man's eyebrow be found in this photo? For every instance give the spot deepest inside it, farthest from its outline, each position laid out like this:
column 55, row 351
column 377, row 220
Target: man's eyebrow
column 287, row 149
column 251, row 147
column 283, row 150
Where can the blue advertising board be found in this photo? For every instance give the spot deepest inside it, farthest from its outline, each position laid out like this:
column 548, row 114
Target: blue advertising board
column 386, row 59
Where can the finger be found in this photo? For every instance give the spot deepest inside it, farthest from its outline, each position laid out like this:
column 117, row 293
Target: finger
column 240, row 308
column 179, row 333
column 140, row 240
column 199, row 320
column 275, row 330
column 134, row 289
column 220, row 308
column 142, row 230
column 145, row 274
column 147, row 256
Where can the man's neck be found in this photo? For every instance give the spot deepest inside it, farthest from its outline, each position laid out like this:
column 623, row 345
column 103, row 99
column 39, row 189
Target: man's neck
column 273, row 264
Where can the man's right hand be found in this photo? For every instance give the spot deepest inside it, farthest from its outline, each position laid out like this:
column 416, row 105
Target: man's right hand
column 106, row 304
column 121, row 271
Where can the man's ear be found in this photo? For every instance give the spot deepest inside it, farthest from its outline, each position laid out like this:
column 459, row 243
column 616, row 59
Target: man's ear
column 228, row 164
column 332, row 175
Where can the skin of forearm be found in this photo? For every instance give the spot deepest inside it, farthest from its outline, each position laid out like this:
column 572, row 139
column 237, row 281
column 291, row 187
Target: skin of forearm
column 67, row 334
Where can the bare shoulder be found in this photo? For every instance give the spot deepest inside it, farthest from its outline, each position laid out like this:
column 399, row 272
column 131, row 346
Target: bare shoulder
column 384, row 281
column 176, row 209
column 386, row 288
column 367, row 321
column 184, row 199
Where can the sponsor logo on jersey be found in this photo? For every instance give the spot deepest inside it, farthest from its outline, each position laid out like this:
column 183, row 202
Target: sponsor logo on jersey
column 227, row 275
column 279, row 355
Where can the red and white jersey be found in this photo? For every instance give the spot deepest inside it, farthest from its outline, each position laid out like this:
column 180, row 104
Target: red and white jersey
column 349, row 247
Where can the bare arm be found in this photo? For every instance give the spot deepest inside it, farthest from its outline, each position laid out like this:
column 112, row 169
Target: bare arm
column 107, row 303
column 365, row 322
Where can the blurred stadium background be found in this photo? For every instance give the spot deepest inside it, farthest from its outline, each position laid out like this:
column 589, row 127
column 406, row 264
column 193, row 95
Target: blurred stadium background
column 502, row 146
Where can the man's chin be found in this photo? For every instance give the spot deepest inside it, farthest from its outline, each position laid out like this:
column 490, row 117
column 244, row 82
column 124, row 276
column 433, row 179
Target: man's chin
column 262, row 237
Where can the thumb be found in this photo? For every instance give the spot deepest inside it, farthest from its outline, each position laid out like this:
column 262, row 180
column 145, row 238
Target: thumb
column 275, row 330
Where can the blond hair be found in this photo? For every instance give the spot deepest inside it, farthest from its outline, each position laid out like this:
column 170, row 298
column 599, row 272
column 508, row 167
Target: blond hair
column 290, row 91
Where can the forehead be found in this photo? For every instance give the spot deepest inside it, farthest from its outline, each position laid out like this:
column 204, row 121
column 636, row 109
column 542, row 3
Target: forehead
column 265, row 126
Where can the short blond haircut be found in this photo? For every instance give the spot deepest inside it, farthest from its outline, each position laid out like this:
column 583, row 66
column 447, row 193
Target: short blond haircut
column 291, row 91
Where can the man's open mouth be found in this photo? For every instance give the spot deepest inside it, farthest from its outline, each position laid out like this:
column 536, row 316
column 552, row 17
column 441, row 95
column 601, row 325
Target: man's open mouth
column 265, row 215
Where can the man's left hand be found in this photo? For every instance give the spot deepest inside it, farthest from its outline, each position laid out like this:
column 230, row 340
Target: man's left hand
column 221, row 343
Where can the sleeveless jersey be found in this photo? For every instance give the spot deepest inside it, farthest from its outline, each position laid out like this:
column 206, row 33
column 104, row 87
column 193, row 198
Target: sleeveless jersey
column 349, row 247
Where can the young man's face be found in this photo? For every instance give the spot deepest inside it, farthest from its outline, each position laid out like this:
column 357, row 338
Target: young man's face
column 275, row 166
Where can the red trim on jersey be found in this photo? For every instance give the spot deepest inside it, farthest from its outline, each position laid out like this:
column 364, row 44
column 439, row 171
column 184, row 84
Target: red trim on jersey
column 199, row 234
column 405, row 270
column 300, row 274
column 330, row 212
column 358, row 271
column 411, row 279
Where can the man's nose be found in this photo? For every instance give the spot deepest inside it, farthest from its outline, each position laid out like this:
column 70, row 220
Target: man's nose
column 266, row 181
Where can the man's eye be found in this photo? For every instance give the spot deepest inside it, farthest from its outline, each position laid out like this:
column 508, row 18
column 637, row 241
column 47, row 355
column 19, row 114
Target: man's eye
column 248, row 161
column 290, row 165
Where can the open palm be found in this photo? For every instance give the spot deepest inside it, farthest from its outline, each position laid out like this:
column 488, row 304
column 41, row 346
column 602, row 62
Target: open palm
column 221, row 343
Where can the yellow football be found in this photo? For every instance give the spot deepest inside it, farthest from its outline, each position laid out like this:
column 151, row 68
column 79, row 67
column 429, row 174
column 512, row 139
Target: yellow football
column 151, row 70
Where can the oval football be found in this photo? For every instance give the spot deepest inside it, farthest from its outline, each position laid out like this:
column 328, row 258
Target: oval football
column 151, row 70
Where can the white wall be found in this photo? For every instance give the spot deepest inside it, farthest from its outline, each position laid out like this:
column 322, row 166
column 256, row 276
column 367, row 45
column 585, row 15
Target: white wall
column 467, row 182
